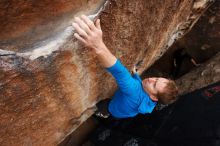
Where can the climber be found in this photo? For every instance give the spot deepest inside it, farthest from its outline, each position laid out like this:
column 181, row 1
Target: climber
column 133, row 96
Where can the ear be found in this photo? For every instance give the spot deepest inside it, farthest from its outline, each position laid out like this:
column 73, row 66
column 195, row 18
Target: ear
column 154, row 98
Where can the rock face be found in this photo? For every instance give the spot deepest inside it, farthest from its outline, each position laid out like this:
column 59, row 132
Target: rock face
column 200, row 77
column 49, row 83
column 200, row 44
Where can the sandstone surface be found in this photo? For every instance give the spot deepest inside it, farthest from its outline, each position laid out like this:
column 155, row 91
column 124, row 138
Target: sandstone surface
column 49, row 83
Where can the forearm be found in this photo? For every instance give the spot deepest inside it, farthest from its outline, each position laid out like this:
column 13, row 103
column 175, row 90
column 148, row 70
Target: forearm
column 106, row 58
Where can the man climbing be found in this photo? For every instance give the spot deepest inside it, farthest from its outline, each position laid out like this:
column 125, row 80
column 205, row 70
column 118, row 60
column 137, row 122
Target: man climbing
column 133, row 95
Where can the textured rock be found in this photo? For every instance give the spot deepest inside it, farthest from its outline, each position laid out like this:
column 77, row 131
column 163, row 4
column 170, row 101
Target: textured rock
column 201, row 43
column 202, row 76
column 49, row 83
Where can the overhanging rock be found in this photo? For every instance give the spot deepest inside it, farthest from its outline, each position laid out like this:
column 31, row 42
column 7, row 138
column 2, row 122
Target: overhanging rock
column 49, row 84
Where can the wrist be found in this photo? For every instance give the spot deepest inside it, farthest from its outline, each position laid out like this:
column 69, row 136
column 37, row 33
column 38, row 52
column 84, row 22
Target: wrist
column 100, row 48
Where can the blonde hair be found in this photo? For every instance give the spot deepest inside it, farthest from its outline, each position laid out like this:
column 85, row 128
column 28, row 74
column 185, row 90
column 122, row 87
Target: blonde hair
column 169, row 95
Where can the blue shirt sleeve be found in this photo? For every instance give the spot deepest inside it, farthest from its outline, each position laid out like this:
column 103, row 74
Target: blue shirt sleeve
column 136, row 76
column 125, row 81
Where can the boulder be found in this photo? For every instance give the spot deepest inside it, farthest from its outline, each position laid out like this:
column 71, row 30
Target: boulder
column 49, row 83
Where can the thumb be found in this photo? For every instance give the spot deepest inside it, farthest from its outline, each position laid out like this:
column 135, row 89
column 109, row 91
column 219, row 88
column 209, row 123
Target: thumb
column 97, row 24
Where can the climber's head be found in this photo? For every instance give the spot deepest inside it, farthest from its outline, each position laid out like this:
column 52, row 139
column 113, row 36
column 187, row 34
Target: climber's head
column 161, row 89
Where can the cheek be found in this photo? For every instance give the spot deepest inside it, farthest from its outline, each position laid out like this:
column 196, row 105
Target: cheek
column 145, row 87
column 148, row 88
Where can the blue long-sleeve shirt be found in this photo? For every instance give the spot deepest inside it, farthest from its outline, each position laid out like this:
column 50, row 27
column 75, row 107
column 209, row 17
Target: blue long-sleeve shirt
column 130, row 98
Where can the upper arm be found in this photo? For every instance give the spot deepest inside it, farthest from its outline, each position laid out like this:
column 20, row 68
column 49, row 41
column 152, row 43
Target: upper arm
column 126, row 83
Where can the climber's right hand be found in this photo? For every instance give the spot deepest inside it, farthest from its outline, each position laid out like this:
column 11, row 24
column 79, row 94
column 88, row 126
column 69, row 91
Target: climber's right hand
column 88, row 33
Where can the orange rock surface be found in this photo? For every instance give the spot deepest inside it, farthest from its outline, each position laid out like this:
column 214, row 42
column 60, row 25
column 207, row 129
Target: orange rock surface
column 49, row 83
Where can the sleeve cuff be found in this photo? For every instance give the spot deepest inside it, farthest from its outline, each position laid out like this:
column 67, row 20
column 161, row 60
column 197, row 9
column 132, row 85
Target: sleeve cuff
column 114, row 67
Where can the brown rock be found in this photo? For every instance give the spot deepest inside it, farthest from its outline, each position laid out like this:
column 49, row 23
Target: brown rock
column 202, row 76
column 49, row 84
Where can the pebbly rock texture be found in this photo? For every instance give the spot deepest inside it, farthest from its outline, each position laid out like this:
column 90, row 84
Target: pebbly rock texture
column 49, row 83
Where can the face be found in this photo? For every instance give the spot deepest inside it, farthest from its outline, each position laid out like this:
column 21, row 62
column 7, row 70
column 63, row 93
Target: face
column 154, row 85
